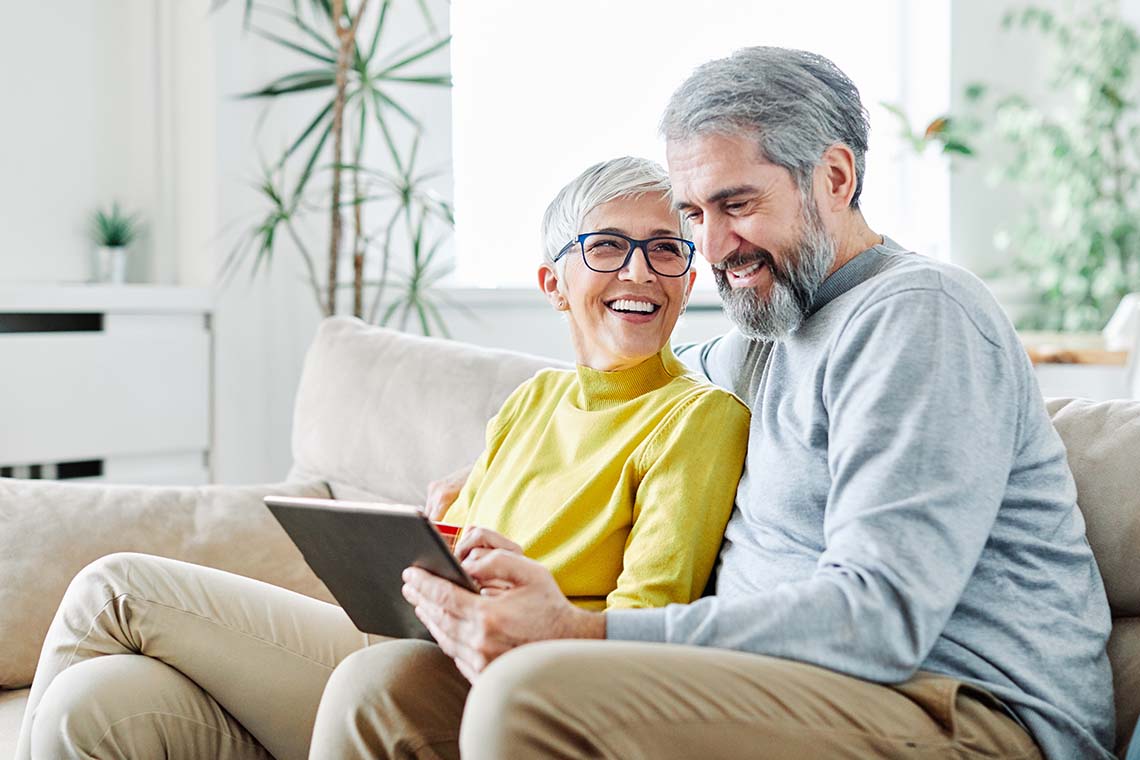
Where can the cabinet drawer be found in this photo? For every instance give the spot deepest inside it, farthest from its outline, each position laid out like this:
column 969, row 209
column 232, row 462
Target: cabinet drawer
column 139, row 384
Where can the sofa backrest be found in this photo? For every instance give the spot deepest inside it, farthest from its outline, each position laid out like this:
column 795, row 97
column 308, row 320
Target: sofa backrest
column 1102, row 440
column 380, row 413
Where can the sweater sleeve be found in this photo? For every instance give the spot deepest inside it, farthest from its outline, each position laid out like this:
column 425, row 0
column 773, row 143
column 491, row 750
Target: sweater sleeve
column 924, row 412
column 691, row 467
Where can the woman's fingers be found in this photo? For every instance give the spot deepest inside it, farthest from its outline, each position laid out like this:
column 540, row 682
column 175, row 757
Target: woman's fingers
column 442, row 493
column 483, row 538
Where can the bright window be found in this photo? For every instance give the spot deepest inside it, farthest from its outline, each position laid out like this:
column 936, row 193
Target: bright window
column 524, row 72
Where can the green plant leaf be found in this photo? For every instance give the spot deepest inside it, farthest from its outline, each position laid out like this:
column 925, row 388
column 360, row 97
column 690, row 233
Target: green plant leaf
column 290, row 84
column 312, row 126
column 975, row 91
column 379, row 28
column 290, row 45
column 439, row 80
column 413, row 57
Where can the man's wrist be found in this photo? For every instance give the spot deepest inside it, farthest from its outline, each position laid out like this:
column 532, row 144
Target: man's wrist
column 583, row 624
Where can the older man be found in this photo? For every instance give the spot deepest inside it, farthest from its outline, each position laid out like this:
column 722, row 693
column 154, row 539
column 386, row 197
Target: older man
column 906, row 572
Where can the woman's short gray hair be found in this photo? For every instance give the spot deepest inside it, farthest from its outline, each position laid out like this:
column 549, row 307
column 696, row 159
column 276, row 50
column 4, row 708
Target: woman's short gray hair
column 795, row 104
column 623, row 177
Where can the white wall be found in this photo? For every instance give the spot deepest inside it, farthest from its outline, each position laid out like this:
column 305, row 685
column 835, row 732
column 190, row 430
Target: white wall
column 48, row 138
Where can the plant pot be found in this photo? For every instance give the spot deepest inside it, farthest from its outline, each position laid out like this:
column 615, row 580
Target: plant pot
column 111, row 264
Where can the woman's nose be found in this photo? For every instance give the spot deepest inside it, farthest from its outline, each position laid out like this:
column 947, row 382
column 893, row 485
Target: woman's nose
column 637, row 269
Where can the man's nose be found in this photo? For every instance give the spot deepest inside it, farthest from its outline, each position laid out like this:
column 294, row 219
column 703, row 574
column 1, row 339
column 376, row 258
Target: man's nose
column 716, row 240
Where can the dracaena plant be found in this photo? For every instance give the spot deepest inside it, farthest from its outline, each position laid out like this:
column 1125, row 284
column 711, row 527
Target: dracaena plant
column 351, row 59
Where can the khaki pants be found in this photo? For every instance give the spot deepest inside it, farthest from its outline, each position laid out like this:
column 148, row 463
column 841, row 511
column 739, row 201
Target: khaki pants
column 151, row 658
column 154, row 658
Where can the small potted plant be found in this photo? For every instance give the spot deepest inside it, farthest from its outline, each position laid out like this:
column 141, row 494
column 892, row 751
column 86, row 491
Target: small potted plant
column 112, row 232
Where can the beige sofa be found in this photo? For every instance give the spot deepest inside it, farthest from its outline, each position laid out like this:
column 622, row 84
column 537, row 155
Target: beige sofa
column 379, row 414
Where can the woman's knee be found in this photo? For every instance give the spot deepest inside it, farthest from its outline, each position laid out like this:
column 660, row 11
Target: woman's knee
column 111, row 706
column 107, row 576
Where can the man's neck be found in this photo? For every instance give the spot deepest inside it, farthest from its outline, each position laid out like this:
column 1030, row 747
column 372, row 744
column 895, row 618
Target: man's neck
column 854, row 237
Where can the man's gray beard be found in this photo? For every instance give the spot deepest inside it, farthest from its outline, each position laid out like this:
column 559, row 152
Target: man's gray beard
column 793, row 287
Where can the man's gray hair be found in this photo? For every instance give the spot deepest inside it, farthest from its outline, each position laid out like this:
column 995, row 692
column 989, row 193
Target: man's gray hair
column 623, row 177
column 795, row 104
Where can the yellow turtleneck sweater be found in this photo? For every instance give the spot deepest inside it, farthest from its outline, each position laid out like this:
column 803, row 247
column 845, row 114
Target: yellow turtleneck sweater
column 619, row 482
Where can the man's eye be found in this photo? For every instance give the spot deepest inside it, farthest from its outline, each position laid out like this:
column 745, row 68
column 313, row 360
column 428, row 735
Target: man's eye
column 693, row 216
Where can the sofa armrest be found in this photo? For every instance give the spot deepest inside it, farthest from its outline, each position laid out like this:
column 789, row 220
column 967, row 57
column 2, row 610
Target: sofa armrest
column 49, row 531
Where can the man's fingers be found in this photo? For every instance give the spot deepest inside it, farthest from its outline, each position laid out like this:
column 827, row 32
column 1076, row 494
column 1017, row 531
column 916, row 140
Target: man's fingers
column 420, row 586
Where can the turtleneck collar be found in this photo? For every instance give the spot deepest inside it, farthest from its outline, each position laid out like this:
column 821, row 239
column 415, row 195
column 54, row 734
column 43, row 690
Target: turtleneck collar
column 598, row 390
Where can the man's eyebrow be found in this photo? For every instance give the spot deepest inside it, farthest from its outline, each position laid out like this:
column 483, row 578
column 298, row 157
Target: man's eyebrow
column 719, row 195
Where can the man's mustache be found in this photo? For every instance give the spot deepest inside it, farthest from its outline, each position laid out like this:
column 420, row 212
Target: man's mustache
column 744, row 258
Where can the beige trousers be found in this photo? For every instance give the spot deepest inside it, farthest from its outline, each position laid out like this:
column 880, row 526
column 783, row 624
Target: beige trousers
column 152, row 658
column 634, row 701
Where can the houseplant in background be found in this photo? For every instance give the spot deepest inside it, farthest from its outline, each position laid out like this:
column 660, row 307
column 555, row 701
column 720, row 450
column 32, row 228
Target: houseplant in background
column 352, row 59
column 112, row 231
column 1073, row 160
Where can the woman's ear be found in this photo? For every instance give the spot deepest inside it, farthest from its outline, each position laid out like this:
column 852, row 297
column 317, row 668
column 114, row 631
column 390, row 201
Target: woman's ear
column 548, row 283
column 688, row 290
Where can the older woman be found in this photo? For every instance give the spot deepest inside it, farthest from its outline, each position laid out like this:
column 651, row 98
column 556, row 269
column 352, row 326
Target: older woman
column 603, row 474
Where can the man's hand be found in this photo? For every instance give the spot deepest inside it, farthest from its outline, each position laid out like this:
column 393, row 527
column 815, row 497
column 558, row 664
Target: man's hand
column 474, row 629
column 442, row 493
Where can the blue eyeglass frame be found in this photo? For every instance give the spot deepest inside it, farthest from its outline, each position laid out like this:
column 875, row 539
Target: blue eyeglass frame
column 634, row 244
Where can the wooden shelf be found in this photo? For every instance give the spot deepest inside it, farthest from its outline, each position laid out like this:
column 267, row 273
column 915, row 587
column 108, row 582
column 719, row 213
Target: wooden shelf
column 1071, row 348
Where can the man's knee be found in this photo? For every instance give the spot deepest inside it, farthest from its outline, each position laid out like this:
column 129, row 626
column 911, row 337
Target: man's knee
column 524, row 693
column 379, row 677
column 397, row 698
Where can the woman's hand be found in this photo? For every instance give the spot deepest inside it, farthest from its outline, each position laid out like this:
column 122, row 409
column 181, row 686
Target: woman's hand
column 442, row 493
column 476, row 542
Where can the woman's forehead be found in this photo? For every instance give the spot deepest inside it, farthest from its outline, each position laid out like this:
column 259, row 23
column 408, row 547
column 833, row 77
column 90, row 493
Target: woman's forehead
column 645, row 214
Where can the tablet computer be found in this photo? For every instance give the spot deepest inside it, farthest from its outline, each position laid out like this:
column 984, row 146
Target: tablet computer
column 359, row 550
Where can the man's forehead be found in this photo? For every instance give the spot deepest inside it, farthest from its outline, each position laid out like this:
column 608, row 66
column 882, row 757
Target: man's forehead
column 713, row 170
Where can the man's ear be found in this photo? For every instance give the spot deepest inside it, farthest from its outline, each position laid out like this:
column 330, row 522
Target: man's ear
column 548, row 283
column 839, row 178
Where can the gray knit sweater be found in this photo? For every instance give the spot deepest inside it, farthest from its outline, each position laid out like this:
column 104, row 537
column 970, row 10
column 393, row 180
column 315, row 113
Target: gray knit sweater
column 906, row 505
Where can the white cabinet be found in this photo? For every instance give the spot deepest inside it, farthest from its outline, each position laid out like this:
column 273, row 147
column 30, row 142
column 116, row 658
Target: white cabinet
column 107, row 383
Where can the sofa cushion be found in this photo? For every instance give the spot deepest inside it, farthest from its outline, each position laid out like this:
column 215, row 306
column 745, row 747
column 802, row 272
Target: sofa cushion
column 381, row 413
column 12, row 704
column 1124, row 653
column 1103, row 444
column 50, row 531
